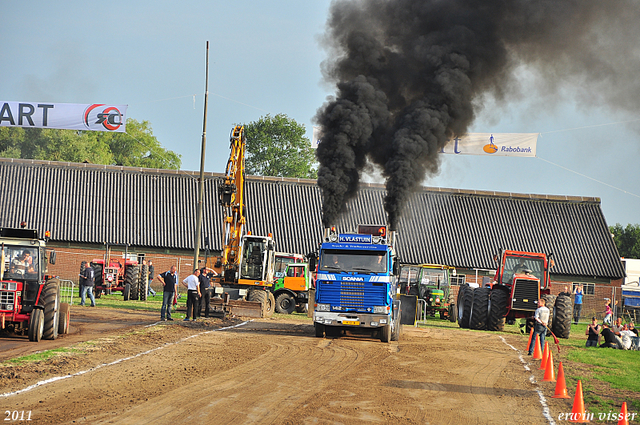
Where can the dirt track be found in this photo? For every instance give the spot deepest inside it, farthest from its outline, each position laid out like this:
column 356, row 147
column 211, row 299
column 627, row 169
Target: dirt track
column 276, row 371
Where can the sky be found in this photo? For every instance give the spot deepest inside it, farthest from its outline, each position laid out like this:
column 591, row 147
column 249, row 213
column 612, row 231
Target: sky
column 266, row 58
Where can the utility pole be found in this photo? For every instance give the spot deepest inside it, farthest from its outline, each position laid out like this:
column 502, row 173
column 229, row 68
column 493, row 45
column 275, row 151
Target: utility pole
column 196, row 242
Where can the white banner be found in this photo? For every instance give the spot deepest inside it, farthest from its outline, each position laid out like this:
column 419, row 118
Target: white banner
column 493, row 144
column 66, row 116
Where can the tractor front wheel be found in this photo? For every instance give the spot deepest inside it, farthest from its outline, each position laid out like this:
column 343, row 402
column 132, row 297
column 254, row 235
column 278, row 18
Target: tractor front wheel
column 36, row 325
column 51, row 302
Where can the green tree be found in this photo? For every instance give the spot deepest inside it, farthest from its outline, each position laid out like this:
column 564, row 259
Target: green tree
column 137, row 147
column 627, row 239
column 277, row 146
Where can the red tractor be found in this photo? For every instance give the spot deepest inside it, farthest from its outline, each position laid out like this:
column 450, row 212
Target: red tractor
column 119, row 275
column 29, row 298
column 522, row 278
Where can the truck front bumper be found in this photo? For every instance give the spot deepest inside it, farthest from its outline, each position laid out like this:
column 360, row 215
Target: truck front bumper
column 357, row 320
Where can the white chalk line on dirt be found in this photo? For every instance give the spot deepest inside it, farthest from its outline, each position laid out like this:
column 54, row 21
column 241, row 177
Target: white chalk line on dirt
column 543, row 401
column 124, row 359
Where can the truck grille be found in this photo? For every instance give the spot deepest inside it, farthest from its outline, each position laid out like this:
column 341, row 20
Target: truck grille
column 7, row 299
column 525, row 295
column 352, row 294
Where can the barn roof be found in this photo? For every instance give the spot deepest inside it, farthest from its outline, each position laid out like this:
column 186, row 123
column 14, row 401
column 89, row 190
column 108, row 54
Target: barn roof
column 96, row 204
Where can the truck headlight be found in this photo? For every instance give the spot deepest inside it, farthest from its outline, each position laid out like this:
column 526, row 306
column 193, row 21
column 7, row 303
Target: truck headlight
column 381, row 309
column 323, row 307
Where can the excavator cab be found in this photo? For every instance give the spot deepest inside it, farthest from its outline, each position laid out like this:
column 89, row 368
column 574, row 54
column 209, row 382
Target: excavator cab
column 257, row 260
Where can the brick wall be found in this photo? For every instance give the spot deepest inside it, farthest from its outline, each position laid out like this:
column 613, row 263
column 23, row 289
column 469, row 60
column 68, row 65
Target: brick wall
column 68, row 262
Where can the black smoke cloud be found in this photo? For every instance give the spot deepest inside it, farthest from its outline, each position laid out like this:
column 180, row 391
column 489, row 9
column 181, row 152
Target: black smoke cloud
column 411, row 74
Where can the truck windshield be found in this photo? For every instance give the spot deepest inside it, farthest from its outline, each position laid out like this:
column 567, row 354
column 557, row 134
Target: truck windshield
column 20, row 263
column 353, row 261
column 434, row 277
column 513, row 265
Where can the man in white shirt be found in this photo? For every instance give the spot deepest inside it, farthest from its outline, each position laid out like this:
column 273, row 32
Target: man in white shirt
column 191, row 282
column 541, row 318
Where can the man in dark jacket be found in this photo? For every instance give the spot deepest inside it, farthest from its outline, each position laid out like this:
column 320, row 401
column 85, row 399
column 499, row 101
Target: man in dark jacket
column 169, row 281
column 205, row 283
column 88, row 280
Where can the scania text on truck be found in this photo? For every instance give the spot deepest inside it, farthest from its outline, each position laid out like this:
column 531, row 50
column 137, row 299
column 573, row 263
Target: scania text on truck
column 356, row 285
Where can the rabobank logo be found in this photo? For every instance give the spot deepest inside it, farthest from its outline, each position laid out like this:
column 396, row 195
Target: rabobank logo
column 491, row 147
column 101, row 117
column 353, row 279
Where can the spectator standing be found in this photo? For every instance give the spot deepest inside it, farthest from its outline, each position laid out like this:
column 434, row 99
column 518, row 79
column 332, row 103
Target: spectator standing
column 593, row 332
column 89, row 279
column 577, row 303
column 541, row 318
column 192, row 283
column 607, row 312
column 205, row 283
column 169, row 281
column 150, row 276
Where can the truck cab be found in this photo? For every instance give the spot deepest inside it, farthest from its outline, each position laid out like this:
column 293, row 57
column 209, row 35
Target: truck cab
column 356, row 284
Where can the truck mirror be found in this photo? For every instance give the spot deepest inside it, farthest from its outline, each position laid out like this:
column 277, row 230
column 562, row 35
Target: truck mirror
column 396, row 267
column 52, row 257
column 312, row 263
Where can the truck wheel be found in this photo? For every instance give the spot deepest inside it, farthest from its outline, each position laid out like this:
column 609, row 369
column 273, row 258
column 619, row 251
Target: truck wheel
column 285, row 304
column 452, row 313
column 270, row 305
column 144, row 282
column 550, row 303
column 480, row 309
column 397, row 330
column 126, row 291
column 465, row 302
column 50, row 300
column 131, row 278
column 319, row 328
column 302, row 308
column 562, row 319
column 36, row 325
column 385, row 333
column 63, row 322
column 499, row 300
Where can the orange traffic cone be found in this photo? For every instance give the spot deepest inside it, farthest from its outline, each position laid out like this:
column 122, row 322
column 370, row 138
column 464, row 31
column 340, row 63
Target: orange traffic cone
column 623, row 420
column 548, row 372
column 545, row 355
column 537, row 355
column 530, row 335
column 578, row 414
column 561, row 385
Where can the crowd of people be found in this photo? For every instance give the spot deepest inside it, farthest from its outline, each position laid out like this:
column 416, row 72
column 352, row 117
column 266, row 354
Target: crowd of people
column 619, row 335
column 198, row 286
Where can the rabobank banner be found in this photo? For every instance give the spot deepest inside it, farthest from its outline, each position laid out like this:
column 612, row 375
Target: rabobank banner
column 493, row 144
column 64, row 116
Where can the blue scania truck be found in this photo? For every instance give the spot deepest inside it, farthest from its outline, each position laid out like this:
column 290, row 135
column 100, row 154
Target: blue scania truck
column 356, row 285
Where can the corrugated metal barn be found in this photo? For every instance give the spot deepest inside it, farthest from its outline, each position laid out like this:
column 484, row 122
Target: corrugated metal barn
column 156, row 209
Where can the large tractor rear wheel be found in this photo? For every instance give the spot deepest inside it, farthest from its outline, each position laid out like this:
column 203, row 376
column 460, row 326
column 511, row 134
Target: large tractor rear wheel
column 36, row 325
column 480, row 309
column 126, row 292
column 562, row 319
column 144, row 282
column 550, row 303
column 499, row 300
column 465, row 302
column 50, row 300
column 97, row 273
column 132, row 276
column 285, row 303
column 63, row 321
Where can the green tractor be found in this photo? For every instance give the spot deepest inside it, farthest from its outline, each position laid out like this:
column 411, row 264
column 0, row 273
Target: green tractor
column 430, row 283
column 291, row 290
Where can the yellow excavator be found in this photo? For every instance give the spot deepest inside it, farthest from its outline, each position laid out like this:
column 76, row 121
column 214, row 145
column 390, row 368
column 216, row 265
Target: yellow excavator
column 247, row 262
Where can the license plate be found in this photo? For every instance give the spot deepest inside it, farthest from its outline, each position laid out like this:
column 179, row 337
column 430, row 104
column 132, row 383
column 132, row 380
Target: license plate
column 350, row 322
